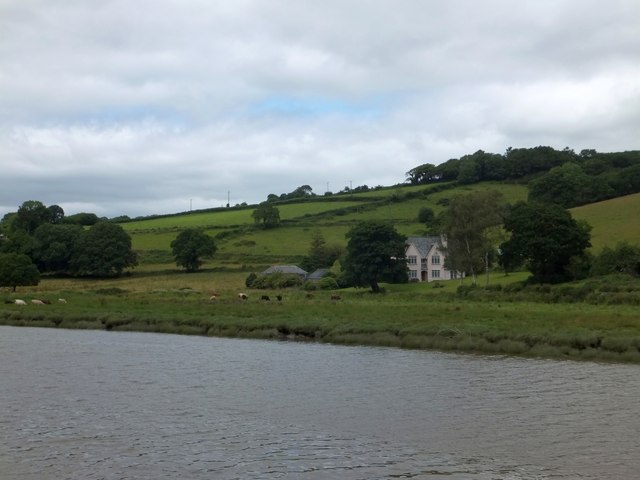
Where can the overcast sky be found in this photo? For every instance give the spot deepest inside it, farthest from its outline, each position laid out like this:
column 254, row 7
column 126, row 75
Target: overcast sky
column 136, row 107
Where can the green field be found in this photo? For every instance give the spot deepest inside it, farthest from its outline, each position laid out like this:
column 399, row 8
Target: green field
column 585, row 320
column 238, row 236
column 612, row 220
column 527, row 323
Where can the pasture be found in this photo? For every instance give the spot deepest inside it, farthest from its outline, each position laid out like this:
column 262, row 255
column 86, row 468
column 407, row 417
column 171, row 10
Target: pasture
column 612, row 220
column 406, row 316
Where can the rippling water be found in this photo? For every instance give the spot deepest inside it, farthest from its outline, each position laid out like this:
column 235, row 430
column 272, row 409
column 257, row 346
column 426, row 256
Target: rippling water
column 105, row 405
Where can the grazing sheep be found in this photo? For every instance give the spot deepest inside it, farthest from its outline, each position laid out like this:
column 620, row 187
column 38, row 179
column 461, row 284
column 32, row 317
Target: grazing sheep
column 214, row 297
column 35, row 301
column 19, row 302
column 242, row 296
column 62, row 300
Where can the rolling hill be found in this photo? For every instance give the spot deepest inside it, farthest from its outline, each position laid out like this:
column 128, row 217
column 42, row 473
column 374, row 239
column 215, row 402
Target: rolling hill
column 242, row 245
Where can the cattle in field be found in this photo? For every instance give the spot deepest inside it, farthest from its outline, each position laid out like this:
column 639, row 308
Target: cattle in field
column 279, row 298
column 35, row 301
column 265, row 298
column 8, row 302
column 242, row 296
column 336, row 297
column 62, row 300
column 17, row 301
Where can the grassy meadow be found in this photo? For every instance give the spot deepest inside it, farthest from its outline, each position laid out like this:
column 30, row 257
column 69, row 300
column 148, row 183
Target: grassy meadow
column 612, row 220
column 406, row 316
column 598, row 321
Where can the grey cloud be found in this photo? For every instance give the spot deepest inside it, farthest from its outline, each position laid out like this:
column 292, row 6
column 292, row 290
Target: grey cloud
column 147, row 107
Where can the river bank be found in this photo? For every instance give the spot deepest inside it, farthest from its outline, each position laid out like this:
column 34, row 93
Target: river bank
column 576, row 330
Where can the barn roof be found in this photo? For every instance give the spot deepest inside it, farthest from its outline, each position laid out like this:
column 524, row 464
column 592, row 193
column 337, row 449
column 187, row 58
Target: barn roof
column 293, row 269
column 318, row 274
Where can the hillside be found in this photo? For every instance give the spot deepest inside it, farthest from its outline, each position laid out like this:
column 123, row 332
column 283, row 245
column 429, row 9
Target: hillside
column 242, row 245
column 612, row 220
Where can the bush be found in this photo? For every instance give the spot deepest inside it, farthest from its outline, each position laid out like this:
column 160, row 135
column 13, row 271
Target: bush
column 277, row 280
column 250, row 280
column 328, row 283
column 465, row 290
column 310, row 286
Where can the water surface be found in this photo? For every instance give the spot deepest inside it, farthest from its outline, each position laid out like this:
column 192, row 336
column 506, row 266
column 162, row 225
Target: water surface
column 107, row 405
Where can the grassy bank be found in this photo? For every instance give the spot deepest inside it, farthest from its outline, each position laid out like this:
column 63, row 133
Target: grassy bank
column 407, row 316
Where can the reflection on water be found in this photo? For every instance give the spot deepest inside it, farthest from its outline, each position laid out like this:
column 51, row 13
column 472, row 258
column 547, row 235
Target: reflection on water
column 102, row 405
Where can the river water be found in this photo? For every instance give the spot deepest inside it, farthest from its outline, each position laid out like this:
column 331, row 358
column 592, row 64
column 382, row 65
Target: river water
column 106, row 405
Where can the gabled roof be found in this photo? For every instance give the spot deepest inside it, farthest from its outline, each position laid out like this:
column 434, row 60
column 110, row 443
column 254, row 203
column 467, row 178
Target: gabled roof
column 424, row 244
column 294, row 269
column 318, row 274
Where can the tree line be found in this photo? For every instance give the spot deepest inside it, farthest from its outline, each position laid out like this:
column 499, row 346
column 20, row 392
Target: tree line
column 559, row 176
column 38, row 239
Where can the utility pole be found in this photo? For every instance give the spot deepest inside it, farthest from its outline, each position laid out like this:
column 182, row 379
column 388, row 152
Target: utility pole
column 228, row 198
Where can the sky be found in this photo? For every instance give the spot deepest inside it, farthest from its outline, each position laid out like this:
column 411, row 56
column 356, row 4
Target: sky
column 121, row 107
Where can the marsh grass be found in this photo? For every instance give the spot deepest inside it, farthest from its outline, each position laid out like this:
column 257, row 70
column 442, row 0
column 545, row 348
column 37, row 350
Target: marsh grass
column 414, row 316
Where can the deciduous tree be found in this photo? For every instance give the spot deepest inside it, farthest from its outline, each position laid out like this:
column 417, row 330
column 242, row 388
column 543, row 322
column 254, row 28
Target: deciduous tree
column 190, row 247
column 470, row 226
column 17, row 269
column 375, row 253
column 546, row 237
column 55, row 246
column 267, row 214
column 103, row 251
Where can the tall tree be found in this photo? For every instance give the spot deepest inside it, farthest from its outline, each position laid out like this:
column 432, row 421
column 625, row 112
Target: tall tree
column 55, row 246
column 546, row 237
column 17, row 269
column 103, row 251
column 470, row 227
column 190, row 247
column 320, row 254
column 375, row 253
column 267, row 214
column 31, row 214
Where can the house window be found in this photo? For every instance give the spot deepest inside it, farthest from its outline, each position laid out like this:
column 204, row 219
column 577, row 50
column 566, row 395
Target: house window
column 435, row 259
column 423, row 261
column 412, row 259
column 413, row 274
column 435, row 273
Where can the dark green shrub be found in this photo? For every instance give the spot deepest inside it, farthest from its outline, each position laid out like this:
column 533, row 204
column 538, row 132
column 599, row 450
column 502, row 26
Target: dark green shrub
column 251, row 279
column 310, row 286
column 513, row 287
column 277, row 280
column 328, row 283
column 465, row 290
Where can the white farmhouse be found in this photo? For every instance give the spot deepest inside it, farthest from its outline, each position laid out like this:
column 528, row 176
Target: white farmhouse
column 425, row 259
